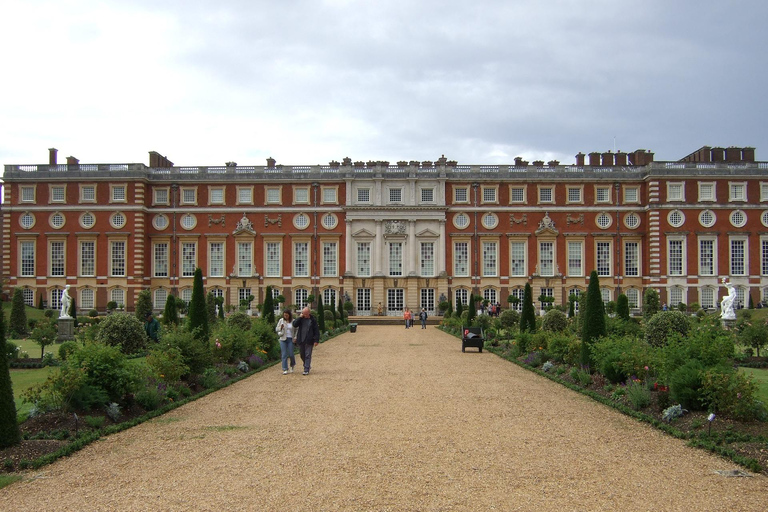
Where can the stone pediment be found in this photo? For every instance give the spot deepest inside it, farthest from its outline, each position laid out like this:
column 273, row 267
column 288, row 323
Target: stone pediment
column 363, row 233
column 547, row 225
column 427, row 233
column 244, row 226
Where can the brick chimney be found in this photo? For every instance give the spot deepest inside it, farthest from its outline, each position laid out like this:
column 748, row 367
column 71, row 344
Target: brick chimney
column 718, row 154
column 748, row 154
column 733, row 154
column 52, row 157
column 607, row 159
column 158, row 161
column 580, row 159
column 72, row 162
column 271, row 163
column 621, row 158
column 594, row 159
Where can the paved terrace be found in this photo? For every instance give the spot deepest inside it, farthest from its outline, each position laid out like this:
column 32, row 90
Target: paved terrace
column 390, row 419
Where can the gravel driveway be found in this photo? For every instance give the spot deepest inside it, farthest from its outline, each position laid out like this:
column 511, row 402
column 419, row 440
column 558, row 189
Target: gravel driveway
column 390, row 419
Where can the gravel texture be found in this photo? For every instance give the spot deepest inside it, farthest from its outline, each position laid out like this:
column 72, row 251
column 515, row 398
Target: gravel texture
column 390, row 419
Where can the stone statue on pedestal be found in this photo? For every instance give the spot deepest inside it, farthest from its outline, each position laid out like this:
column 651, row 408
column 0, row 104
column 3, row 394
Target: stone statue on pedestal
column 727, row 305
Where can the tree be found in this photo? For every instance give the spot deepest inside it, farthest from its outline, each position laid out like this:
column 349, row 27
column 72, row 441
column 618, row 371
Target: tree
column 459, row 307
column 44, row 334
column 268, row 308
column 210, row 308
column 40, row 302
column 651, row 303
column 143, row 305
column 198, row 317
column 9, row 427
column 593, row 325
column 340, row 307
column 73, row 310
column 528, row 316
column 170, row 314
column 751, row 304
column 124, row 331
column 572, row 300
column 622, row 307
column 471, row 312
column 320, row 313
column 18, row 323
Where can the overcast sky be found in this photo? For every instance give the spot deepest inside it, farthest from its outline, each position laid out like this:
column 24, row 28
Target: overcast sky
column 306, row 82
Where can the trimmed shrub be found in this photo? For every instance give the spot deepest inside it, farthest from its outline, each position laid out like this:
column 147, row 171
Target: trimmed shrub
column 105, row 367
column 528, row 316
column 618, row 358
column 651, row 303
column 167, row 363
column 9, row 427
column 555, row 321
column 66, row 349
column 17, row 324
column 124, row 331
column 685, row 385
column 198, row 316
column 240, row 320
column 622, row 307
column 564, row 348
column 170, row 313
column 143, row 305
column 593, row 321
column 663, row 324
column 194, row 352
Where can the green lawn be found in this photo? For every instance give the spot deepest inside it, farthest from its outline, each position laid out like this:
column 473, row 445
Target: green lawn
column 760, row 376
column 23, row 380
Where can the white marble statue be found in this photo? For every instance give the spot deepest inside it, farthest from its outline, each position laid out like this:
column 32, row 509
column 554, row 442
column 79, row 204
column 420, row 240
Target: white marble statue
column 66, row 302
column 727, row 305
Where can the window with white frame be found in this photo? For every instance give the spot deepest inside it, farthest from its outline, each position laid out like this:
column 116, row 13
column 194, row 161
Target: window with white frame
column 273, row 195
column 88, row 195
column 707, row 218
column 244, row 259
column 57, row 220
column 161, row 195
column 395, row 259
column 329, row 297
column 546, row 195
column 117, row 295
column 273, row 259
column 243, row 294
column 490, row 259
column 632, row 259
column 363, row 300
column 86, row 298
column 604, row 220
column 707, row 298
column 329, row 195
column 517, row 259
column 301, row 195
column 546, row 292
column 676, row 261
column 517, row 194
column 738, row 219
column 29, row 297
column 330, row 259
column 218, row 293
column 58, row 193
column 602, row 194
column 161, row 259
column 118, row 220
column 427, row 299
column 188, row 259
column 603, row 258
column 395, row 299
column 427, row 195
column 56, row 298
column 244, row 195
column 27, row 220
column 301, row 221
column 87, row 220
column 707, row 257
column 675, row 192
column 329, row 221
column 300, row 298
column 395, row 195
column 633, row 297
column 461, row 195
column 605, row 293
column 574, row 194
column 57, row 259
column 738, row 191
column 764, row 257
column 87, row 259
column 161, row 297
column 576, row 293
column 675, row 296
column 364, row 195
column 489, row 195
column 490, row 220
column 519, row 293
column 275, row 302
column 27, row 194
column 490, row 295
column 427, row 259
column 461, row 296
column 216, row 256
column 461, row 259
column 575, row 252
column 763, row 191
column 27, row 251
column 632, row 220
column 738, row 257
column 676, row 218
column 301, row 259
column 188, row 195
column 216, row 195
column 706, row 191
column 461, row 220
column 186, row 295
column 631, row 195
column 364, row 259
column 546, row 258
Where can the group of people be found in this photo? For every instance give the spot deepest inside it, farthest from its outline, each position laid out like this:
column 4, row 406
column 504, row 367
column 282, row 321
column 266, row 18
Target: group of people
column 408, row 317
column 493, row 309
column 303, row 331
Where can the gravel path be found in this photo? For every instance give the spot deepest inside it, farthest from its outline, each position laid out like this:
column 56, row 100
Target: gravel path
column 390, row 419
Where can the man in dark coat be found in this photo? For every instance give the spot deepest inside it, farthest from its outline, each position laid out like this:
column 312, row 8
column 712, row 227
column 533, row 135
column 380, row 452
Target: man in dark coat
column 152, row 327
column 307, row 336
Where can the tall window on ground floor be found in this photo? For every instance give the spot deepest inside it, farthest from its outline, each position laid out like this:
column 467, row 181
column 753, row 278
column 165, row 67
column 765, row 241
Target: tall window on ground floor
column 633, row 297
column 86, row 298
column 243, row 294
column 546, row 292
column 631, row 259
column 29, row 297
column 675, row 297
column 27, row 259
column 427, row 259
column 395, row 299
column 186, row 295
column 461, row 295
column 301, row 259
column 117, row 295
column 519, row 293
column 395, row 259
column 329, row 297
column 738, row 260
column 741, row 296
column 363, row 300
column 764, row 257
column 275, row 303
column 576, row 292
column 707, row 298
column 427, row 299
column 364, row 259
column 490, row 295
column 461, row 259
column 605, row 293
column 490, row 252
column 56, row 298
column 300, row 298
column 603, row 259
column 161, row 296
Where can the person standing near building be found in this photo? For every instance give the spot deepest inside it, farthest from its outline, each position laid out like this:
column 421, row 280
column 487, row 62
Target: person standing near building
column 152, row 327
column 307, row 337
column 285, row 331
column 423, row 318
column 407, row 317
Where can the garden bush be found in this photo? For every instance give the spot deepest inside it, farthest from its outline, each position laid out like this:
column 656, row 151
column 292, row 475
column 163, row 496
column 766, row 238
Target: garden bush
column 619, row 357
column 564, row 348
column 105, row 367
column 659, row 327
column 711, row 346
column 620, row 327
column 731, row 394
column 67, row 348
column 638, row 394
column 124, row 331
column 12, row 350
column 240, row 320
column 233, row 343
column 167, row 363
column 685, row 384
column 555, row 321
column 93, row 313
column 195, row 353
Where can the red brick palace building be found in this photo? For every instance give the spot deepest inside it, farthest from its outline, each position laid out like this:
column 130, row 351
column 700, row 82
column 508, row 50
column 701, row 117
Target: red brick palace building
column 399, row 234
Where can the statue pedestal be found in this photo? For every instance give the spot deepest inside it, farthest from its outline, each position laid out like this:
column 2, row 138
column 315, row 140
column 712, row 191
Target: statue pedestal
column 66, row 330
column 728, row 323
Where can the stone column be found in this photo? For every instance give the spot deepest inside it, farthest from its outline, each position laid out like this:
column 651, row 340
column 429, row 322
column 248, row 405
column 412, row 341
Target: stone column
column 441, row 249
column 378, row 249
column 349, row 249
column 413, row 254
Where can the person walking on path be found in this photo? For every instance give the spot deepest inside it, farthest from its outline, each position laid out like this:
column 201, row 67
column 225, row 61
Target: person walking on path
column 285, row 331
column 307, row 336
column 423, row 318
column 407, row 317
column 152, row 327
